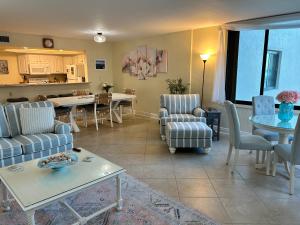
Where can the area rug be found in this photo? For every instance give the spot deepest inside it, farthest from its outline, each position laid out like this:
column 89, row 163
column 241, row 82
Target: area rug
column 142, row 206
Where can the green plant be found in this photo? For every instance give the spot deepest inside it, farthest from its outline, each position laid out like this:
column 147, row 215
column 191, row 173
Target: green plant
column 176, row 86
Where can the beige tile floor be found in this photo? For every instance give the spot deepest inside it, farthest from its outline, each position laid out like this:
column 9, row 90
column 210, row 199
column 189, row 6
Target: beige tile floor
column 200, row 181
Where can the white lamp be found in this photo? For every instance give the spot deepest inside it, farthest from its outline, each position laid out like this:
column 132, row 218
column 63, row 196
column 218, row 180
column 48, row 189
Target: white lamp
column 99, row 38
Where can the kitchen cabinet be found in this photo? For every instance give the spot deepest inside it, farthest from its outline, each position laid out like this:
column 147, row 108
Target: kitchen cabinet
column 56, row 64
column 67, row 60
column 23, row 63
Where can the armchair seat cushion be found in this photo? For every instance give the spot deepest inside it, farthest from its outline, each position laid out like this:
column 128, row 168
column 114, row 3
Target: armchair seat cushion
column 41, row 142
column 9, row 148
column 254, row 142
column 284, row 151
column 181, row 118
column 269, row 135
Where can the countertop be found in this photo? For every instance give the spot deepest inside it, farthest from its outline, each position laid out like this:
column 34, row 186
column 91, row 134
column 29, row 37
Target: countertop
column 46, row 84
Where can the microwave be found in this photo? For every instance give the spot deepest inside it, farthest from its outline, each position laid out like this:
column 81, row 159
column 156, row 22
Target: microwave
column 39, row 69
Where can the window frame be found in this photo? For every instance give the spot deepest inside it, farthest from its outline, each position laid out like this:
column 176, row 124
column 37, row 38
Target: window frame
column 232, row 63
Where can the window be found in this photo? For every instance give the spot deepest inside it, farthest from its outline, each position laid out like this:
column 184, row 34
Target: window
column 262, row 62
column 272, row 70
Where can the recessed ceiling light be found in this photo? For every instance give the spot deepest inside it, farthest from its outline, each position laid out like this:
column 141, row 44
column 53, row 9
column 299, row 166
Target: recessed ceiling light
column 100, row 38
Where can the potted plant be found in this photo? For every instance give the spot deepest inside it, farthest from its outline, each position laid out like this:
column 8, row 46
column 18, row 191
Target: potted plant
column 287, row 100
column 106, row 86
column 176, row 86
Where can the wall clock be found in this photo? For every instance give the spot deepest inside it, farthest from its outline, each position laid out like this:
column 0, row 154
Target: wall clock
column 48, row 43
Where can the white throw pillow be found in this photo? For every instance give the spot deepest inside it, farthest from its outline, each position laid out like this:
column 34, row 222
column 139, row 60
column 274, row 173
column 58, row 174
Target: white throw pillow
column 37, row 120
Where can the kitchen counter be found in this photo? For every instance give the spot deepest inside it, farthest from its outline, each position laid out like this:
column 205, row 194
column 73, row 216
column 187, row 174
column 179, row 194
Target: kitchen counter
column 45, row 84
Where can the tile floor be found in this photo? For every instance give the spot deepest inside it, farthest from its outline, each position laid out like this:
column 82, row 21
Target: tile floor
column 198, row 180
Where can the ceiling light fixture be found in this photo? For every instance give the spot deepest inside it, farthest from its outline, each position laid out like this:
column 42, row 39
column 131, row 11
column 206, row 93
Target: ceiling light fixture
column 100, row 38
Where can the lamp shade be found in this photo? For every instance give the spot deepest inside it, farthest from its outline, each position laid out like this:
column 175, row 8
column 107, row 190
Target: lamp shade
column 204, row 56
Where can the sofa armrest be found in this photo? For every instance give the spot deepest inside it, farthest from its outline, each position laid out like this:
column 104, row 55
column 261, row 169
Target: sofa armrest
column 198, row 112
column 61, row 127
column 163, row 112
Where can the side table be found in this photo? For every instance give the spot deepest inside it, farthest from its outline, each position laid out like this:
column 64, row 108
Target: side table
column 213, row 118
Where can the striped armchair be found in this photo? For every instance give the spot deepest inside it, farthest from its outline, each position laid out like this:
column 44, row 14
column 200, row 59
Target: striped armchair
column 179, row 108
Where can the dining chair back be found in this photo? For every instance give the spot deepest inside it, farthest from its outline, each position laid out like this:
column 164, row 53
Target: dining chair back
column 103, row 98
column 129, row 91
column 233, row 123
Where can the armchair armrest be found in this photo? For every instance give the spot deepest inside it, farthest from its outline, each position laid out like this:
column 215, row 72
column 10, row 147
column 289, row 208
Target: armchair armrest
column 61, row 128
column 163, row 112
column 198, row 112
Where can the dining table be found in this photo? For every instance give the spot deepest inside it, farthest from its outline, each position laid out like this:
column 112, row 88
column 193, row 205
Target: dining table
column 74, row 101
column 273, row 123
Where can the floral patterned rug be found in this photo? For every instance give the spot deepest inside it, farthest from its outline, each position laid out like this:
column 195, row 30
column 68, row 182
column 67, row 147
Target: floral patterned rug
column 142, row 206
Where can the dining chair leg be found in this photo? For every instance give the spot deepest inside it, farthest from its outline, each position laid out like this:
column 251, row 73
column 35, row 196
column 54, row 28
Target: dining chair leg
column 292, row 179
column 275, row 164
column 85, row 117
column 229, row 154
column 268, row 161
column 95, row 116
column 110, row 115
column 236, row 158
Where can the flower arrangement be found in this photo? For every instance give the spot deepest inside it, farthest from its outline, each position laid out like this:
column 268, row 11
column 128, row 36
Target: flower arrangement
column 288, row 97
column 106, row 86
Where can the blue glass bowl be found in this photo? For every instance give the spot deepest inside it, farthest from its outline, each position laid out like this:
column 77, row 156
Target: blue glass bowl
column 58, row 165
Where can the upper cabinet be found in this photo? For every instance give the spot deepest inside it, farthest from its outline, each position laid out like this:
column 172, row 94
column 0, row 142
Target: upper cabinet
column 56, row 63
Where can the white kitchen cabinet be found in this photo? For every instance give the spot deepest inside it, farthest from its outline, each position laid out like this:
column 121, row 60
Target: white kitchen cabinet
column 23, row 63
column 56, row 64
column 67, row 60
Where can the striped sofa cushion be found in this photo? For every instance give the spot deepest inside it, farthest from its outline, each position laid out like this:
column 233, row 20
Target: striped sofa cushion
column 36, row 120
column 4, row 128
column 9, row 148
column 62, row 128
column 181, row 118
column 176, row 104
column 35, row 155
column 13, row 114
column 41, row 142
column 190, row 130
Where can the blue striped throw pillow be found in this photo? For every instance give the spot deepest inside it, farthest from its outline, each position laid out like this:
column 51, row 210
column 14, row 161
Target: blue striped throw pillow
column 36, row 120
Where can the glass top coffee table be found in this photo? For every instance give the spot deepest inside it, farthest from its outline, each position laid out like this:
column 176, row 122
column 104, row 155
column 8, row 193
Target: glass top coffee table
column 34, row 188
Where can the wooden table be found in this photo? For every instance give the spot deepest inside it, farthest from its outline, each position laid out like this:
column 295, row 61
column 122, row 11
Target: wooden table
column 75, row 101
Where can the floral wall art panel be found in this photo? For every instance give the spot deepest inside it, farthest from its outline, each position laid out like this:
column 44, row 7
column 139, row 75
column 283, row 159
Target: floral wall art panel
column 145, row 62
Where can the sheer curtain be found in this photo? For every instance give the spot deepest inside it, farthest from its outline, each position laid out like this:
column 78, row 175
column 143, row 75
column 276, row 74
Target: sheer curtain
column 219, row 83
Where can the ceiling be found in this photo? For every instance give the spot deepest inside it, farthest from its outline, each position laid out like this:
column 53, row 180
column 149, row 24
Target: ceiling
column 125, row 19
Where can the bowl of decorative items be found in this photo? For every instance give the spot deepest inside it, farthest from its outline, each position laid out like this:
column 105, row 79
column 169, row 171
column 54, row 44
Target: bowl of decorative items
column 58, row 161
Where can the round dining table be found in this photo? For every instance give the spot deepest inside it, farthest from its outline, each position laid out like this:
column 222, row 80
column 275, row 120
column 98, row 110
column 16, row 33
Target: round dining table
column 273, row 123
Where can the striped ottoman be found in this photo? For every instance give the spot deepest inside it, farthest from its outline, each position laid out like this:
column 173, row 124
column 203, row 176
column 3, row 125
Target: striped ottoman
column 188, row 135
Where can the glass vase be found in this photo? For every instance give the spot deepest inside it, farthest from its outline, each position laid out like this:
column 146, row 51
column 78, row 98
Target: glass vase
column 286, row 111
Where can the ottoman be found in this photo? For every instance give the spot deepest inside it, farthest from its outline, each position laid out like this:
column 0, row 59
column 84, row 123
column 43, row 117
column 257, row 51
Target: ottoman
column 188, row 135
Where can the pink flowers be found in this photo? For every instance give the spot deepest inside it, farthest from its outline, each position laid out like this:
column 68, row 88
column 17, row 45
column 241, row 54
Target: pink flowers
column 288, row 96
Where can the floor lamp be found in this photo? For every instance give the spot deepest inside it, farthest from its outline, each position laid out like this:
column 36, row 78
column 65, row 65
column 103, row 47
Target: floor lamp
column 204, row 58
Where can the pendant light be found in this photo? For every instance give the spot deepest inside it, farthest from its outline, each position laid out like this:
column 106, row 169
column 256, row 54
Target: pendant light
column 100, row 38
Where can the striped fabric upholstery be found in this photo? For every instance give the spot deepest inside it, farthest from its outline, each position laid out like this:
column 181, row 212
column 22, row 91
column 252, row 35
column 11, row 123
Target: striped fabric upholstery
column 13, row 114
column 4, row 128
column 181, row 118
column 176, row 104
column 9, row 148
column 163, row 112
column 188, row 135
column 35, row 155
column 61, row 128
column 36, row 120
column 199, row 112
column 41, row 142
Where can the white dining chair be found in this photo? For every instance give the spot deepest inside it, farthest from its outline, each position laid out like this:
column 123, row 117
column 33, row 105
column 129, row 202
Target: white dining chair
column 239, row 142
column 289, row 153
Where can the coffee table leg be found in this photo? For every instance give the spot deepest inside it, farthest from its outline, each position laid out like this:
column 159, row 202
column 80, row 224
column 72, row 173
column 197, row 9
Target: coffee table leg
column 119, row 194
column 5, row 201
column 30, row 217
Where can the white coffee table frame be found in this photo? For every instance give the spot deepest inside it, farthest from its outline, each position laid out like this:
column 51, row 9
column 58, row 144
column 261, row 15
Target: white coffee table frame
column 30, row 210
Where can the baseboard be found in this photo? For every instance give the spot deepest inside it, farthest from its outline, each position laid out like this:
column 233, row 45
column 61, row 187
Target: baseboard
column 147, row 115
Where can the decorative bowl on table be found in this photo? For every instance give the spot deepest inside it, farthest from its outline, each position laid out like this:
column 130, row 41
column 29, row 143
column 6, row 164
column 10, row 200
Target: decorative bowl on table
column 58, row 161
